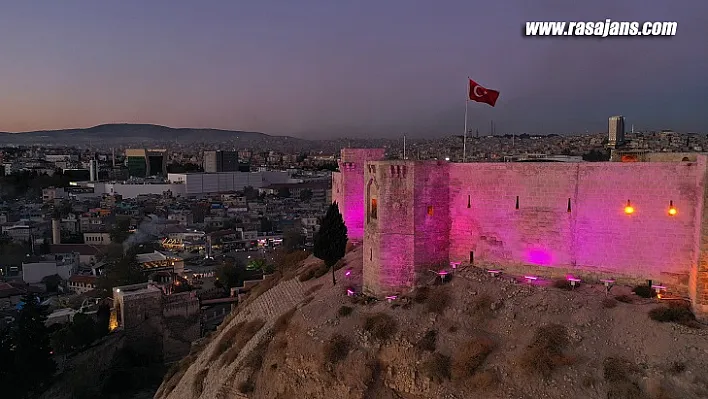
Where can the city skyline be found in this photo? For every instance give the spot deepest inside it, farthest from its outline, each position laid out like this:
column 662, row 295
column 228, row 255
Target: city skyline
column 320, row 69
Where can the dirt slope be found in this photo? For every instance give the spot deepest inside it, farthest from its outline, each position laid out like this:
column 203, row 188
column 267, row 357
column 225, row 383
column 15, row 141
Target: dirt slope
column 476, row 336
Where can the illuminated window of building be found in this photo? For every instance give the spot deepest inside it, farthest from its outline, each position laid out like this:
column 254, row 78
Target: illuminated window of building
column 374, row 209
column 430, row 210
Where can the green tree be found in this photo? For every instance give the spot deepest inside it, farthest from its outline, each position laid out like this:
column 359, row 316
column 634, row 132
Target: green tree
column 120, row 231
column 331, row 239
column 293, row 240
column 33, row 363
column 306, row 195
column 123, row 271
column 231, row 274
column 250, row 193
column 284, row 192
column 52, row 282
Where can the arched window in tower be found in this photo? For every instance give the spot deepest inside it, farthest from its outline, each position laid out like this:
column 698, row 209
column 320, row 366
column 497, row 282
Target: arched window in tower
column 373, row 212
column 430, row 210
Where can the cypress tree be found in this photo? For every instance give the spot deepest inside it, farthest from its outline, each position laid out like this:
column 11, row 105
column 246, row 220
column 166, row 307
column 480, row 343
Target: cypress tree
column 331, row 239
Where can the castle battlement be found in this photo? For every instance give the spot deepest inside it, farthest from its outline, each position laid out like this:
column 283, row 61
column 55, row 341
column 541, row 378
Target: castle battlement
column 552, row 218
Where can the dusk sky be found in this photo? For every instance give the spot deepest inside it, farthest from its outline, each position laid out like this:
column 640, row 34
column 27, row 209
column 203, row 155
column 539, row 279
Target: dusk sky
column 317, row 69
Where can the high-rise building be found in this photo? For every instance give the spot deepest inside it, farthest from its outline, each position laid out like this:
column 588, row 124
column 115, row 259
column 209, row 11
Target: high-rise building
column 144, row 163
column 616, row 131
column 220, row 161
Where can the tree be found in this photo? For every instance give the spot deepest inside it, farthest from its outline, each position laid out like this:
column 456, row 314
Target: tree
column 266, row 224
column 596, row 155
column 123, row 271
column 231, row 274
column 120, row 231
column 250, row 193
column 284, row 192
column 293, row 240
column 33, row 364
column 306, row 195
column 331, row 239
column 52, row 282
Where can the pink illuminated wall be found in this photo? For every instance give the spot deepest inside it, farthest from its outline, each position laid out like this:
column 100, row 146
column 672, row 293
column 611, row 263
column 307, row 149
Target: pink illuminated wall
column 474, row 210
column 348, row 187
column 596, row 234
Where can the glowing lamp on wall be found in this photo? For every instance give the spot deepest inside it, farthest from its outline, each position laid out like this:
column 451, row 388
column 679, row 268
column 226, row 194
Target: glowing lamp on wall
column 629, row 209
column 672, row 209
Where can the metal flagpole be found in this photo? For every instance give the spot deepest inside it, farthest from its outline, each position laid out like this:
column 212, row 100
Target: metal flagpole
column 404, row 147
column 464, row 137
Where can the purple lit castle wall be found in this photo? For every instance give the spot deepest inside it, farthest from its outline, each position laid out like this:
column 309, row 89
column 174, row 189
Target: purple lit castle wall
column 406, row 223
column 571, row 218
column 348, row 187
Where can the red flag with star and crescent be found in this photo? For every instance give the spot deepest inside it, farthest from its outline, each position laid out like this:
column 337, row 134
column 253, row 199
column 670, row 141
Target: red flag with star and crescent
column 481, row 94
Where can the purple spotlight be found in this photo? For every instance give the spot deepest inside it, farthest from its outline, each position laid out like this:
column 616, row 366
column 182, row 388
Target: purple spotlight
column 350, row 292
column 391, row 298
column 531, row 278
column 539, row 257
column 348, row 273
column 573, row 281
column 442, row 273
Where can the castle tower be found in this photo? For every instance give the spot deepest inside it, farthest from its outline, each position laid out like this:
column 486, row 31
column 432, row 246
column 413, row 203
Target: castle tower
column 348, row 187
column 406, row 224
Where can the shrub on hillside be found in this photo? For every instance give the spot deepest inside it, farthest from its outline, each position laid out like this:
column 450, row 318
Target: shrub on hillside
column 481, row 305
column 625, row 298
column 562, row 284
column 609, row 303
column 485, row 380
column 247, row 386
column 240, row 339
column 381, row 326
column 644, row 291
column 470, row 357
column 428, row 342
column 421, row 294
column 336, row 349
column 618, row 374
column 675, row 312
column 198, row 384
column 439, row 300
column 345, row 311
column 282, row 323
column 545, row 353
column 437, row 368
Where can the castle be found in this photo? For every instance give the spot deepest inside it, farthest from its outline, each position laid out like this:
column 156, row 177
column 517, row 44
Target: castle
column 632, row 222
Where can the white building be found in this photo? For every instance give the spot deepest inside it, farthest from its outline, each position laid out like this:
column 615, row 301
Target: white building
column 35, row 269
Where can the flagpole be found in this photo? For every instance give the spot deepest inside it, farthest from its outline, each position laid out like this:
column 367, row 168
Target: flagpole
column 464, row 137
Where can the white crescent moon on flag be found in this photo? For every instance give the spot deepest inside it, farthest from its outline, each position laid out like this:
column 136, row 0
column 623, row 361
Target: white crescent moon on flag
column 475, row 91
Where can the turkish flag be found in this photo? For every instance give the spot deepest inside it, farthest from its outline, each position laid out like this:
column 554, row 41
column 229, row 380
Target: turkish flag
column 482, row 95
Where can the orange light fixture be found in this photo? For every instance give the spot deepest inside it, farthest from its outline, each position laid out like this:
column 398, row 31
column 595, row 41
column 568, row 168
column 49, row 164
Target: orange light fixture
column 629, row 209
column 672, row 209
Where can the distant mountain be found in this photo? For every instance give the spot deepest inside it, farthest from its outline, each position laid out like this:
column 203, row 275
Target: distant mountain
column 130, row 133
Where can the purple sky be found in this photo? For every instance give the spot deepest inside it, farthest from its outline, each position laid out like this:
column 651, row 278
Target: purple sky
column 315, row 68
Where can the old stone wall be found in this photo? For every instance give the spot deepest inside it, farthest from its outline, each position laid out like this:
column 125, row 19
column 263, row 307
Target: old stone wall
column 553, row 218
column 348, row 187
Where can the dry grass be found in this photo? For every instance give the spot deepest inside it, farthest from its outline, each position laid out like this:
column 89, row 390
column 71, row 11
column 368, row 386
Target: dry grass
column 254, row 359
column 336, row 349
column 240, row 339
column 313, row 289
column 481, row 305
column 625, row 298
column 289, row 263
column 345, row 311
column 619, row 374
column 247, row 386
column 675, row 312
column 562, row 284
column 437, row 368
column 198, row 384
column 421, row 294
column 486, row 380
column 545, row 353
column 350, row 247
column 644, row 291
column 428, row 342
column 438, row 300
column 226, row 341
column 381, row 326
column 282, row 323
column 470, row 357
column 609, row 303
column 316, row 270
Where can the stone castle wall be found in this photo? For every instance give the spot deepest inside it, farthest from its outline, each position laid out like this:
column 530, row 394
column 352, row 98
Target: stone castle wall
column 570, row 220
column 348, row 187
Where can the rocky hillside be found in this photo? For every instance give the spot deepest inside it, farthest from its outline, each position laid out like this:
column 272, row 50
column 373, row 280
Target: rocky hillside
column 476, row 336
